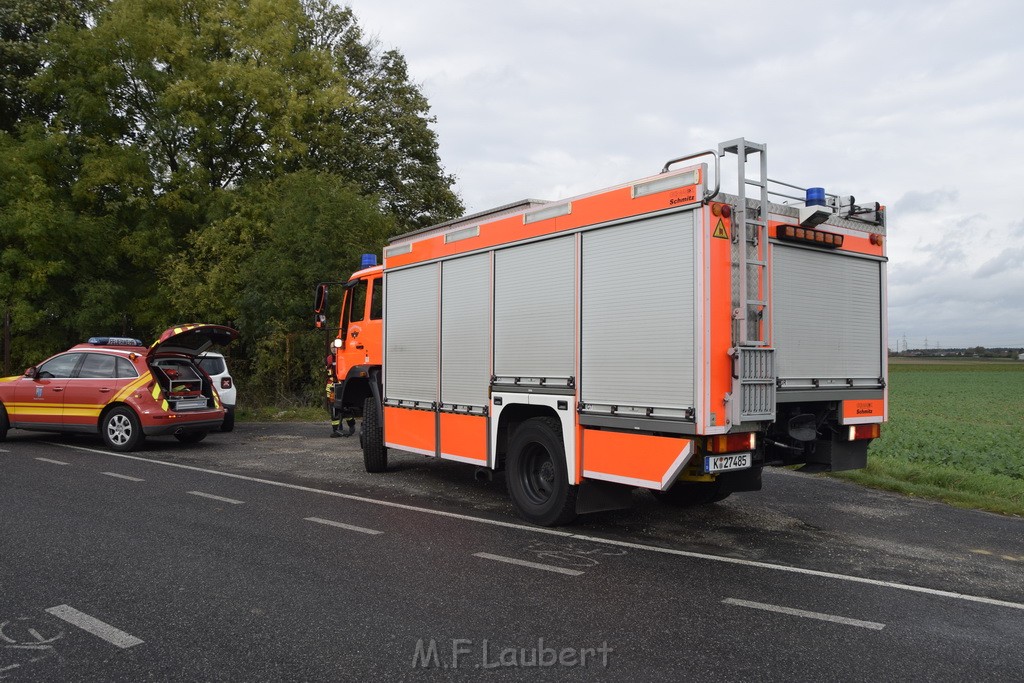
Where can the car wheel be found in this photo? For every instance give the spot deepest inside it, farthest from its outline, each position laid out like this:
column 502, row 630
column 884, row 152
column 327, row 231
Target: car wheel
column 371, row 436
column 538, row 481
column 5, row 424
column 229, row 420
column 685, row 494
column 190, row 437
column 121, row 431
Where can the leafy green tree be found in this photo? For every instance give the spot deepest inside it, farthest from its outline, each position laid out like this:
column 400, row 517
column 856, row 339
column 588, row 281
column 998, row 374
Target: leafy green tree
column 256, row 265
column 138, row 138
column 381, row 138
column 24, row 25
column 56, row 258
column 220, row 92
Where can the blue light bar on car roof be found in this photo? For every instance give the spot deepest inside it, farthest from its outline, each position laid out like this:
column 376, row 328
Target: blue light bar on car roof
column 114, row 341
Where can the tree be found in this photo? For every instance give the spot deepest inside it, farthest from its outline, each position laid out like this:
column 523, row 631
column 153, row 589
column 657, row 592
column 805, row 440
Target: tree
column 56, row 261
column 24, row 26
column 138, row 137
column 381, row 138
column 221, row 92
column 256, row 265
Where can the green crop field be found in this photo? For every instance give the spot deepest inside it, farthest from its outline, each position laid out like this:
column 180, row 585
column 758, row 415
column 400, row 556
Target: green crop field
column 955, row 433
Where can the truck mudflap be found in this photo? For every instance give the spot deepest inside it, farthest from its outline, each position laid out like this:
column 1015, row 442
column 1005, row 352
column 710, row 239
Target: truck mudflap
column 836, row 455
column 814, row 435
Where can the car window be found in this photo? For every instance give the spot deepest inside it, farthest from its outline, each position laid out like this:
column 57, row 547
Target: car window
column 125, row 368
column 59, row 367
column 212, row 365
column 98, row 366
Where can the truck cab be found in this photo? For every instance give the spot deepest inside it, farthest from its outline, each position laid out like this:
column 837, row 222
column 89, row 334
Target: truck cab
column 353, row 357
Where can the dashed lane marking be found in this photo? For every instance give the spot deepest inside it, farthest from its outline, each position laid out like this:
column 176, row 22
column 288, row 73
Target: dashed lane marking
column 820, row 616
column 213, row 497
column 527, row 563
column 55, row 462
column 342, row 525
column 100, row 629
column 122, row 476
column 582, row 537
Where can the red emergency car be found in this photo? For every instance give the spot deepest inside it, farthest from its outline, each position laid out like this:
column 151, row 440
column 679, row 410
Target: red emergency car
column 121, row 389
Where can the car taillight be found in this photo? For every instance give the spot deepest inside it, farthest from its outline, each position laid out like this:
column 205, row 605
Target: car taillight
column 729, row 443
column 225, row 382
column 871, row 431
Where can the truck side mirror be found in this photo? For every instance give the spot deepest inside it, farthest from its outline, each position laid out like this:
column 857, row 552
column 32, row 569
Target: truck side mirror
column 320, row 300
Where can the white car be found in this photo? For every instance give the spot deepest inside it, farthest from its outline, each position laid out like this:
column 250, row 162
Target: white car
column 217, row 369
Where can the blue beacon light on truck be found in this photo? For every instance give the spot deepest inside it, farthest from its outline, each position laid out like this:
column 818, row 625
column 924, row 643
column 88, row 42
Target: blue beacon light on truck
column 815, row 196
column 368, row 261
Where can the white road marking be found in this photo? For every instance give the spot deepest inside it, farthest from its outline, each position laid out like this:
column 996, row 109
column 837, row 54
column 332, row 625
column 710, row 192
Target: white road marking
column 122, row 476
column 565, row 534
column 213, row 497
column 100, row 629
column 527, row 563
column 804, row 613
column 12, row 666
column 55, row 462
column 341, row 525
column 4, row 450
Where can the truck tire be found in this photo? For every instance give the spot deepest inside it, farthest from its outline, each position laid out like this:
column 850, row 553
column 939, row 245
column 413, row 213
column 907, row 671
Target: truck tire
column 371, row 437
column 538, row 481
column 120, row 430
column 685, row 494
column 5, row 423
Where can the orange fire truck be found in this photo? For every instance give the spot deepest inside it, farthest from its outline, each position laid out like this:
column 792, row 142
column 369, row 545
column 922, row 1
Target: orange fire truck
column 661, row 334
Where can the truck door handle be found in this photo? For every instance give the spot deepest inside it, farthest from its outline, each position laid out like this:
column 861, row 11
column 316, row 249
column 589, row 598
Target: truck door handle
column 359, row 346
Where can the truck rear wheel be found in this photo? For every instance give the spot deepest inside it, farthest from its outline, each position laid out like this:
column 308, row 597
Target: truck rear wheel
column 686, row 494
column 371, row 436
column 538, row 481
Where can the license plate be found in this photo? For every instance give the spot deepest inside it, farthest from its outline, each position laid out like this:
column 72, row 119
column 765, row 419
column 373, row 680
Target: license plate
column 724, row 463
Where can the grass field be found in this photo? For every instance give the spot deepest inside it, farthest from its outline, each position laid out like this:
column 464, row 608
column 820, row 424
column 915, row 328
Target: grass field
column 955, row 433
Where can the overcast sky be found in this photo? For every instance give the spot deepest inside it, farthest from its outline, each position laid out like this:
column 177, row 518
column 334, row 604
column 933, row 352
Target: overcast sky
column 918, row 105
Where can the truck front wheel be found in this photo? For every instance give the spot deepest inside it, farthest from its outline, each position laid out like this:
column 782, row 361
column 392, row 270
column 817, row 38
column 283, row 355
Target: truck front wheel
column 538, row 481
column 371, row 437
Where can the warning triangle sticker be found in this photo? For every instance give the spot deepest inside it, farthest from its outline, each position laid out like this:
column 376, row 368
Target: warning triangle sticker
column 720, row 231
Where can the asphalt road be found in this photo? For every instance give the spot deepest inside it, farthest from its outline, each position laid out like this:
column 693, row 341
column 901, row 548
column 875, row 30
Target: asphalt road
column 268, row 554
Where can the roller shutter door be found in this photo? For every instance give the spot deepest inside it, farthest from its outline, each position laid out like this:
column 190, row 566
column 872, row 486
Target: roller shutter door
column 827, row 314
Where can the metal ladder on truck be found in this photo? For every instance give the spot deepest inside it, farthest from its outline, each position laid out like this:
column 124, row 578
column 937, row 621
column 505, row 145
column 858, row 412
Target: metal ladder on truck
column 753, row 395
